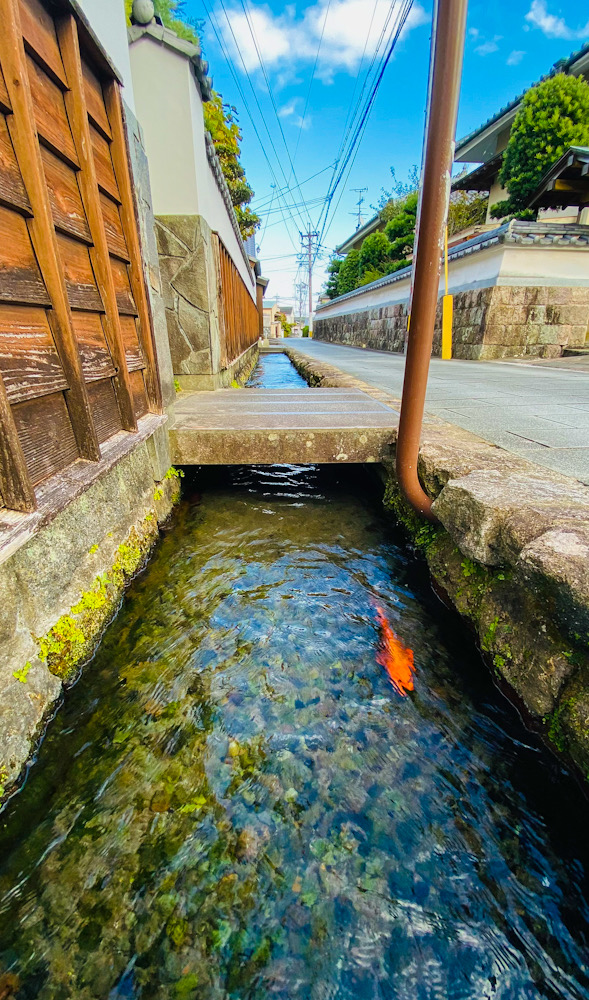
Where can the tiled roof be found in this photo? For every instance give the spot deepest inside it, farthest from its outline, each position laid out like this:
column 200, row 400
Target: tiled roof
column 562, row 66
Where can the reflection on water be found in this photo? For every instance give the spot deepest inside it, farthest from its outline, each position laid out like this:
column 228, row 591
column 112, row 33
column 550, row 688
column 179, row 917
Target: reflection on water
column 235, row 801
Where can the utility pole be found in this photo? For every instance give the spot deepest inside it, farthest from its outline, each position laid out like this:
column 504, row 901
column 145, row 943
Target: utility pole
column 444, row 87
column 360, row 202
column 300, row 295
column 308, row 240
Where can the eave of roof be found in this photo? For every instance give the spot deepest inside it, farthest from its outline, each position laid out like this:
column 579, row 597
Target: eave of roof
column 165, row 36
column 476, row 179
column 562, row 66
column 360, row 233
column 542, row 192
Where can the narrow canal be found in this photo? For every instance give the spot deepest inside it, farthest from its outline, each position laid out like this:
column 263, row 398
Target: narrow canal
column 287, row 774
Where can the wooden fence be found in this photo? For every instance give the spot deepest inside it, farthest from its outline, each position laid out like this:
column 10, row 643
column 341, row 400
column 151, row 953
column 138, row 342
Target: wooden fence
column 238, row 312
column 77, row 361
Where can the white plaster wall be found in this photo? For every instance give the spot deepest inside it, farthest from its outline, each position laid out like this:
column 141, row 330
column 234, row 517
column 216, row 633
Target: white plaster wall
column 497, row 193
column 544, row 266
column 161, row 82
column 169, row 110
column 107, row 20
column 501, row 264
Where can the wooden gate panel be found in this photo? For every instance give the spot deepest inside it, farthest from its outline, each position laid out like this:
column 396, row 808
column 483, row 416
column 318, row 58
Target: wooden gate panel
column 45, row 431
column 12, row 189
column 20, row 276
column 40, row 38
column 76, row 347
column 29, row 361
column 50, row 115
column 79, row 275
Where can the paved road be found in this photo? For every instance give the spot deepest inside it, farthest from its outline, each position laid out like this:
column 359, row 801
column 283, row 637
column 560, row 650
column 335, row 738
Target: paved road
column 540, row 412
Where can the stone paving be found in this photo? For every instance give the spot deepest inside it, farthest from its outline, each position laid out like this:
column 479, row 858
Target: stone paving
column 269, row 426
column 537, row 411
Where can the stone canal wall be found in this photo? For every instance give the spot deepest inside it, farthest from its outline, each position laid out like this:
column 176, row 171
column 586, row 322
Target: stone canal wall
column 511, row 555
column 522, row 290
column 62, row 572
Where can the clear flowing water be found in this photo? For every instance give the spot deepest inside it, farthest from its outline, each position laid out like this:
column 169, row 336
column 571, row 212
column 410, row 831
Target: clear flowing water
column 236, row 802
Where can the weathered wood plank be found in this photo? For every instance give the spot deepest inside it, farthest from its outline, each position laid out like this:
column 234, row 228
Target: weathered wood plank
column 96, row 358
column 15, row 483
column 40, row 38
column 120, row 158
column 104, row 407
column 133, row 352
column 46, row 435
column 125, row 301
column 12, row 189
column 94, row 99
column 139, row 393
column 49, row 112
column 105, row 174
column 79, row 275
column 64, row 197
column 20, row 277
column 77, row 112
column 5, row 104
column 28, row 154
column 29, row 361
column 113, row 228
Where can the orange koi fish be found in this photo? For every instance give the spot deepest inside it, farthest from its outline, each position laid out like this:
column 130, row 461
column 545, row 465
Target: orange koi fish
column 395, row 657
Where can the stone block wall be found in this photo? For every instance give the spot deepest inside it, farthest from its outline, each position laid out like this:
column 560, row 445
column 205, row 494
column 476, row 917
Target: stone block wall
column 501, row 321
column 189, row 290
column 382, row 328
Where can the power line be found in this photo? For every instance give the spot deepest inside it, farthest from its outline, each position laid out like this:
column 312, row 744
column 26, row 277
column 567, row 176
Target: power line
column 363, row 121
column 218, row 36
column 312, row 78
column 252, row 88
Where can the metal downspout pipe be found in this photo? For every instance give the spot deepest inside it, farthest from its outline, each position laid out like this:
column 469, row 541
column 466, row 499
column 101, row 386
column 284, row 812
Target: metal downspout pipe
column 445, row 76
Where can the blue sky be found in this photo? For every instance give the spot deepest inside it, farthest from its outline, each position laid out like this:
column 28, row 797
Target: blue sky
column 316, row 56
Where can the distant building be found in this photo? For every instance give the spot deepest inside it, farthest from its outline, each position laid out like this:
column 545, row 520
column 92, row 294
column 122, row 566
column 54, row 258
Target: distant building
column 355, row 241
column 488, row 142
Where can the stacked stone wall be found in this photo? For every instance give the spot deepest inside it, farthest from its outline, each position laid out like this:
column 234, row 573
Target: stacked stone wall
column 189, row 292
column 501, row 321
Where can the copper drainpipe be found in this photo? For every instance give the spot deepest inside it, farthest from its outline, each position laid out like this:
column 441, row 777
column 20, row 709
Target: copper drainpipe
column 447, row 51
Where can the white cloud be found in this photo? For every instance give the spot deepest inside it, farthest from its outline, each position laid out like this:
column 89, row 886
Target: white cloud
column 288, row 109
column 486, row 48
column 303, row 123
column 515, row 57
column 551, row 25
column 341, row 24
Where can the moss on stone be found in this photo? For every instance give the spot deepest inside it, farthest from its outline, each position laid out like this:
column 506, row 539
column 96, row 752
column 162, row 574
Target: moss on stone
column 72, row 639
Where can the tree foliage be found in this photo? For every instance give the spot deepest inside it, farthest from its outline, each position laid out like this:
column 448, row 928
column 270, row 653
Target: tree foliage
column 381, row 252
column 222, row 122
column 466, row 208
column 553, row 116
